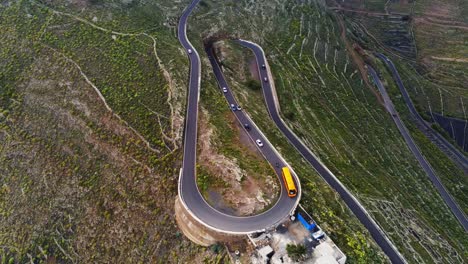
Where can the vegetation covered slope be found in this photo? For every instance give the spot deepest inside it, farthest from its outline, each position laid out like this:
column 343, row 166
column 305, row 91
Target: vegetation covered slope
column 434, row 70
column 90, row 133
column 318, row 198
column 325, row 101
column 451, row 175
column 91, row 97
column 435, row 87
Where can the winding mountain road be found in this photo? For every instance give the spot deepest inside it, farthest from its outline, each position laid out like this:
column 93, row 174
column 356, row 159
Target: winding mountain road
column 189, row 193
column 190, row 196
column 435, row 137
column 448, row 199
column 353, row 204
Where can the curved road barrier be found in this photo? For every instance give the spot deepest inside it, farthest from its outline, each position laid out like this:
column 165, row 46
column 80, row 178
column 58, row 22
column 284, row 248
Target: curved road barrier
column 448, row 199
column 435, row 137
column 189, row 194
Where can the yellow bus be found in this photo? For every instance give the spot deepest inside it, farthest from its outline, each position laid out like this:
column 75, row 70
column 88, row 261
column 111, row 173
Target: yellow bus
column 289, row 182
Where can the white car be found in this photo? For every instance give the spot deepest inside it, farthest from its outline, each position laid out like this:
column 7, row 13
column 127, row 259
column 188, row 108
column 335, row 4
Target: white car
column 318, row 235
column 259, row 142
column 189, row 51
column 224, row 90
column 265, row 79
column 238, row 108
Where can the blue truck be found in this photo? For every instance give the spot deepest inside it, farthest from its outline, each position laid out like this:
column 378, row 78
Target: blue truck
column 317, row 233
column 306, row 224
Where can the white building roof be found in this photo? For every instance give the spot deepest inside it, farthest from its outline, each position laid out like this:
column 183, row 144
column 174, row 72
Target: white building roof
column 265, row 251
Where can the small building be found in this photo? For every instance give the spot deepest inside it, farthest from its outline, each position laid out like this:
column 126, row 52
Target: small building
column 265, row 253
column 299, row 230
column 328, row 253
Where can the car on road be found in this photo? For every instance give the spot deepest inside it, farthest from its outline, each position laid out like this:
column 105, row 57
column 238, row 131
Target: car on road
column 233, row 107
column 265, row 79
column 263, row 66
column 247, row 127
column 189, row 51
column 259, row 142
column 238, row 108
column 224, row 90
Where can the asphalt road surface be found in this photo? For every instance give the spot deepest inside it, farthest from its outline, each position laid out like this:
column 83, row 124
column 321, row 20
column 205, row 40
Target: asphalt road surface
column 449, row 201
column 348, row 198
column 439, row 140
column 188, row 191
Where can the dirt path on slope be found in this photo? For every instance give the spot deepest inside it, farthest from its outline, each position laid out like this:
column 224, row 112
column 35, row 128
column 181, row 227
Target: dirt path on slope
column 358, row 61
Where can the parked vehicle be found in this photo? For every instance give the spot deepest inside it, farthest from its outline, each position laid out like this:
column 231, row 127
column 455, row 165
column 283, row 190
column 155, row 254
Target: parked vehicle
column 238, row 108
column 309, row 226
column 233, row 107
column 318, row 235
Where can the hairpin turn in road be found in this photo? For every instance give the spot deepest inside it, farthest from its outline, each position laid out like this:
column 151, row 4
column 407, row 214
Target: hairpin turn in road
column 188, row 190
column 189, row 193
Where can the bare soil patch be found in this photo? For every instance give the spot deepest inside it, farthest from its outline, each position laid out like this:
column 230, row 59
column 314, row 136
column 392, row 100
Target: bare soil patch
column 243, row 191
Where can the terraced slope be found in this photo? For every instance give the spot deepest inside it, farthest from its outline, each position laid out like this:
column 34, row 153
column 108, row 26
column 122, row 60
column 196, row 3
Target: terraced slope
column 434, row 68
column 326, row 102
column 79, row 176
